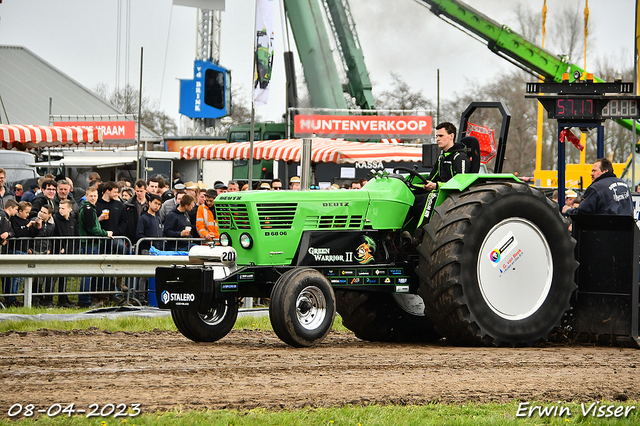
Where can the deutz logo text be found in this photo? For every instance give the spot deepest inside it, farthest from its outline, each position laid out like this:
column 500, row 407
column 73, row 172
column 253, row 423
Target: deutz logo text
column 335, row 204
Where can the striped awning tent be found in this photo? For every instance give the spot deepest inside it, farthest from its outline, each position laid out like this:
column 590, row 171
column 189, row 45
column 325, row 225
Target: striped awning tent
column 322, row 151
column 27, row 137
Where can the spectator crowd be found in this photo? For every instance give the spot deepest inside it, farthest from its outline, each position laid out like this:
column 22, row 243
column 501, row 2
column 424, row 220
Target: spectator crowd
column 52, row 217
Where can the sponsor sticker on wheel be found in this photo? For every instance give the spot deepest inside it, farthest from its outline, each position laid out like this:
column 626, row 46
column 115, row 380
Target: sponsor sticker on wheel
column 502, row 249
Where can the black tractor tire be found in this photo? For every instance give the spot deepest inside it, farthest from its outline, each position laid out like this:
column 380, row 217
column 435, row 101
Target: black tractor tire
column 302, row 308
column 377, row 317
column 210, row 326
column 496, row 265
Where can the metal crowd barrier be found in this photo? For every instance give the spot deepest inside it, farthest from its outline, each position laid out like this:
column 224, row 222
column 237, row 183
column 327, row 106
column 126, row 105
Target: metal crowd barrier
column 117, row 272
column 67, row 245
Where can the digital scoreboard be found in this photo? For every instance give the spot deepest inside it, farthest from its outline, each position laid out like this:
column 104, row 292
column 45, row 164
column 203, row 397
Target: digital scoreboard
column 586, row 101
column 574, row 108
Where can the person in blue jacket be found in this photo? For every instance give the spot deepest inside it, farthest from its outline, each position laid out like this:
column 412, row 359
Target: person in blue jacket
column 607, row 194
column 177, row 224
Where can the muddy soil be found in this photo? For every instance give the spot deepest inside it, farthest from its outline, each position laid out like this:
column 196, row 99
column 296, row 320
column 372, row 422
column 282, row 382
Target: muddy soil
column 162, row 370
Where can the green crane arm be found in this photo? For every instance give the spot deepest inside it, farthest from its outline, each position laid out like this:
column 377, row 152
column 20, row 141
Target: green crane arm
column 359, row 84
column 503, row 41
column 508, row 44
column 314, row 49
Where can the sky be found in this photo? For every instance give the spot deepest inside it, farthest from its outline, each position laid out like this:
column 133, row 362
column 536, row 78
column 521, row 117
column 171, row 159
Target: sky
column 79, row 37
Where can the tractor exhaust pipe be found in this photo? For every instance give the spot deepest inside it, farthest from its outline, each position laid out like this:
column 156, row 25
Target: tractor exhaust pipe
column 305, row 164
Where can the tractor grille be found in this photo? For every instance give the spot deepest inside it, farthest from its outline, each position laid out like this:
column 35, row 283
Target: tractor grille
column 276, row 215
column 330, row 222
column 232, row 216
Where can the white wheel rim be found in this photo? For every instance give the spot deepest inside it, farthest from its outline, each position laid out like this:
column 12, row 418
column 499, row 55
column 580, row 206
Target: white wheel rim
column 311, row 308
column 515, row 269
column 215, row 315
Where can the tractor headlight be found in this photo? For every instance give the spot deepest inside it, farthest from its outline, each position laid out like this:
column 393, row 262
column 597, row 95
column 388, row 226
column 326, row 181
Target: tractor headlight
column 225, row 239
column 245, row 240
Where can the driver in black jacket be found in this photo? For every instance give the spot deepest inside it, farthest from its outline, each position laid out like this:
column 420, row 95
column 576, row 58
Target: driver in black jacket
column 606, row 195
column 452, row 159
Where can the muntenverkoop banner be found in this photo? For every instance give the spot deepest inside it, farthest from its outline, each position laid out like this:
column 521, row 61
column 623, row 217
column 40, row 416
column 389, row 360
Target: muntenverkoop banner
column 377, row 126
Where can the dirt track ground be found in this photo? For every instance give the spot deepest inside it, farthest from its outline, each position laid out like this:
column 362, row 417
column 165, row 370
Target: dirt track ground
column 163, row 370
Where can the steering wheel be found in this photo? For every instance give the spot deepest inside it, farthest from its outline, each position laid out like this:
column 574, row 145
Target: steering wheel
column 413, row 174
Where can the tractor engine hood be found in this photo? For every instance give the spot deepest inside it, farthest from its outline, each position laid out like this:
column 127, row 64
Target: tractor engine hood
column 274, row 221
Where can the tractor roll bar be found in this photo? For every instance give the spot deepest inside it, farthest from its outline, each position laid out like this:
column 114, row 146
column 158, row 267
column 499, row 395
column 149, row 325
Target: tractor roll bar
column 504, row 128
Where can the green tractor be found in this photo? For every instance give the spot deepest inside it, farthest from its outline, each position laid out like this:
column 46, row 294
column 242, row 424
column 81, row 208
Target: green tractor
column 490, row 262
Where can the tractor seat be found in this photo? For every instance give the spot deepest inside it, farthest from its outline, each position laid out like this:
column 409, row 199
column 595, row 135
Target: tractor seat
column 473, row 152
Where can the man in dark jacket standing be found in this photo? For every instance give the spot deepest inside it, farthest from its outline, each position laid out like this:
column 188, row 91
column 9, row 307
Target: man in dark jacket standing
column 149, row 225
column 43, row 245
column 134, row 209
column 6, row 230
column 116, row 219
column 89, row 225
column 23, row 228
column 66, row 226
column 607, row 194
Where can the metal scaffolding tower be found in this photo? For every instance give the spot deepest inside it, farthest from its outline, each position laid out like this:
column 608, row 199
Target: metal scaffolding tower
column 208, row 50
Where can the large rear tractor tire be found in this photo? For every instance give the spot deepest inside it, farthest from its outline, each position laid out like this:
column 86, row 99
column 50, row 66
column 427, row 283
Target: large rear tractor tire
column 497, row 265
column 385, row 317
column 210, row 326
column 302, row 308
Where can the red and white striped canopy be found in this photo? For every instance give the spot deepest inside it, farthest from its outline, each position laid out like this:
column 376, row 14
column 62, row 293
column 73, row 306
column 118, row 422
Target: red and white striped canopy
column 322, row 151
column 24, row 137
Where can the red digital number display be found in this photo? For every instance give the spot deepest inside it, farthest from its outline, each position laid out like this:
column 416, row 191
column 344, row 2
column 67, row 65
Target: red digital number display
column 574, row 108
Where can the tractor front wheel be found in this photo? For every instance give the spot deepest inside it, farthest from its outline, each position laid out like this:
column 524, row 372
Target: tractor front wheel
column 303, row 307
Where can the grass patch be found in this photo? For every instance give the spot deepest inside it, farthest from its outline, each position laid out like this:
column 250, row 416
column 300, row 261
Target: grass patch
column 125, row 323
column 430, row 414
column 118, row 324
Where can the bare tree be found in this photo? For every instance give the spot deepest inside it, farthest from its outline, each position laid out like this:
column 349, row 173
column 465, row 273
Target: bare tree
column 126, row 100
column 400, row 97
column 566, row 33
column 529, row 23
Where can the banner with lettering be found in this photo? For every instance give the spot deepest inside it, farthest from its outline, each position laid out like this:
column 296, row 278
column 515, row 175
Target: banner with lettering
column 112, row 131
column 369, row 126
